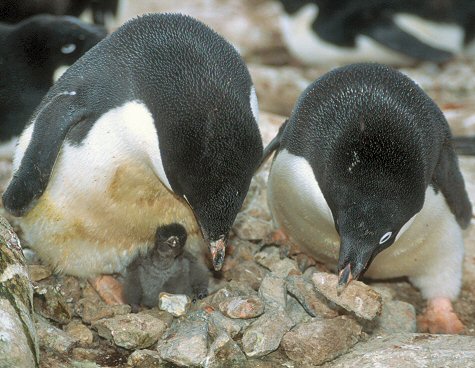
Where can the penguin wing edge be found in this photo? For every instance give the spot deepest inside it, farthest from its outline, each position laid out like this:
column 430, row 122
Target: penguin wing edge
column 274, row 144
column 51, row 125
column 448, row 178
column 464, row 145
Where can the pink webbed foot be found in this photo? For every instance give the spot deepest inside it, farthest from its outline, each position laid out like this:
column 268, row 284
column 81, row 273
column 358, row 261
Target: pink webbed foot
column 440, row 318
column 109, row 289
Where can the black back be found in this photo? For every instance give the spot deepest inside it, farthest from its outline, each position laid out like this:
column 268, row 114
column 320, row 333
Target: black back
column 197, row 88
column 30, row 52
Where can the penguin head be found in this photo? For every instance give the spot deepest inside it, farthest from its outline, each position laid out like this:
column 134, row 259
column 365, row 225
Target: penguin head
column 49, row 41
column 170, row 241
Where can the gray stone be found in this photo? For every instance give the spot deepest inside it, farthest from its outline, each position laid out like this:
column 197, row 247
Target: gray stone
column 248, row 227
column 284, row 267
column 356, row 298
column 242, row 307
column 410, row 350
column 295, row 311
column 247, row 272
column 320, row 341
column 19, row 346
column 164, row 316
column 185, row 343
column 91, row 309
column 232, row 288
column 79, row 332
column 387, row 294
column 131, row 331
column 218, row 324
column 51, row 304
column 145, row 359
column 175, row 304
column 396, row 316
column 224, row 352
column 39, row 272
column 52, row 338
column 264, row 335
column 273, row 292
column 268, row 256
column 86, row 354
column 305, row 293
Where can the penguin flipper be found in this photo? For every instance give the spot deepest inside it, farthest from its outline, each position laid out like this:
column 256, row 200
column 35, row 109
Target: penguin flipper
column 388, row 33
column 448, row 178
column 274, row 144
column 51, row 125
column 464, row 145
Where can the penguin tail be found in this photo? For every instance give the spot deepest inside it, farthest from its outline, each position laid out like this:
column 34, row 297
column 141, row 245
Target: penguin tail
column 273, row 145
column 52, row 122
column 464, row 145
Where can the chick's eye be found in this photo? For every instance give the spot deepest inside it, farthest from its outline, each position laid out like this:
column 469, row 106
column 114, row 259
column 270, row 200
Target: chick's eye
column 68, row 48
column 385, row 237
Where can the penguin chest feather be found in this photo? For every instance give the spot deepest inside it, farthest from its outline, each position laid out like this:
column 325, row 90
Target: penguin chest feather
column 106, row 197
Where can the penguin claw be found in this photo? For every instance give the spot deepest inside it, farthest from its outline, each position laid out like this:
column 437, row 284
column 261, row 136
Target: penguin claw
column 439, row 318
column 109, row 289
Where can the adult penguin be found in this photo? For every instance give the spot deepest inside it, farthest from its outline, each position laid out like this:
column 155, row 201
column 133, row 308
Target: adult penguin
column 366, row 179
column 157, row 124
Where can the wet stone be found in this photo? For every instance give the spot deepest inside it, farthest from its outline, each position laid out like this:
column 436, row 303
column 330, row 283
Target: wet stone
column 264, row 335
column 50, row 303
column 131, row 331
column 356, row 298
column 273, row 292
column 145, row 359
column 91, row 310
column 52, row 338
column 242, row 307
column 39, row 272
column 175, row 304
column 320, row 341
column 247, row 272
column 80, row 332
column 305, row 293
column 185, row 343
column 396, row 316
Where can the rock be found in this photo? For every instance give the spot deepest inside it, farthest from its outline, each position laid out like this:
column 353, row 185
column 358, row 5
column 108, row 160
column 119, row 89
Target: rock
column 224, row 352
column 175, row 304
column 86, row 354
column 131, row 331
column 410, row 350
column 387, row 294
column 145, row 359
column 90, row 309
column 52, row 338
column 357, row 297
column 396, row 316
column 306, row 295
column 247, row 272
column 218, row 324
column 38, row 272
column 233, row 288
column 51, row 304
column 248, row 227
column 284, row 267
column 273, row 292
column 19, row 346
column 185, row 343
column 295, row 311
column 164, row 316
column 264, row 335
column 320, row 341
column 242, row 307
column 268, row 256
column 79, row 332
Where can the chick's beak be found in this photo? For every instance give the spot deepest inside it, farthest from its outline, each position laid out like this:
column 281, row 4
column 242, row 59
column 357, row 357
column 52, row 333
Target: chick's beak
column 218, row 251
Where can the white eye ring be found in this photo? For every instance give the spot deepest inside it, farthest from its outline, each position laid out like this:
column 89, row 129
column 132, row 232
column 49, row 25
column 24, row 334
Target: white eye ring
column 385, row 237
column 68, row 48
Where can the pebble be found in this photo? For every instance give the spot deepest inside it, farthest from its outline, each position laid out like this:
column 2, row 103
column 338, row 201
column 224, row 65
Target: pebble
column 295, row 311
column 131, row 331
column 320, row 341
column 39, row 272
column 175, row 304
column 268, row 256
column 242, row 307
column 218, row 324
column 231, row 289
column 90, row 309
column 224, row 352
column 396, row 316
column 50, row 303
column 248, row 227
column 145, row 359
column 304, row 292
column 273, row 292
column 80, row 332
column 52, row 338
column 247, row 272
column 284, row 267
column 356, row 298
column 264, row 335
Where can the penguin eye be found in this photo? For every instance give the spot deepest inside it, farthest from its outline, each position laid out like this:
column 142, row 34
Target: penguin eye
column 385, row 237
column 68, row 48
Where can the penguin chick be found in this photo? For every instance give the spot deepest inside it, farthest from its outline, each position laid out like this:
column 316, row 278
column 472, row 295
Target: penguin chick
column 154, row 125
column 31, row 53
column 397, row 32
column 366, row 179
column 167, row 267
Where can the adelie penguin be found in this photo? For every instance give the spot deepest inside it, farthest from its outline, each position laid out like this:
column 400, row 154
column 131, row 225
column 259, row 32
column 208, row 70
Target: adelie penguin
column 154, row 125
column 31, row 52
column 365, row 179
column 397, row 32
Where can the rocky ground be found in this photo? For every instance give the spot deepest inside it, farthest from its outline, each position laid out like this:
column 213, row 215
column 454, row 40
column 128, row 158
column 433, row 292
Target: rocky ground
column 270, row 306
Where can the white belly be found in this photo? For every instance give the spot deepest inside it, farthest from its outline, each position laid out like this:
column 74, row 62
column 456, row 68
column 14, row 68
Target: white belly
column 431, row 245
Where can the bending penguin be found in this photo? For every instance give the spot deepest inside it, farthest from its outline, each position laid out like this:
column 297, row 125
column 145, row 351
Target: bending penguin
column 365, row 179
column 397, row 32
column 157, row 124
column 31, row 54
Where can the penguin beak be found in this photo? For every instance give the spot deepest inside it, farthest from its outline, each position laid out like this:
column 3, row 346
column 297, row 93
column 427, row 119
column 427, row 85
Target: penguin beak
column 218, row 250
column 354, row 260
column 344, row 278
